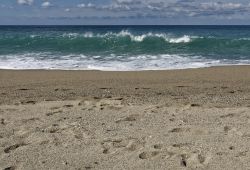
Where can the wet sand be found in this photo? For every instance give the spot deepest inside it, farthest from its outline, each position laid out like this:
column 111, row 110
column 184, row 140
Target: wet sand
column 178, row 119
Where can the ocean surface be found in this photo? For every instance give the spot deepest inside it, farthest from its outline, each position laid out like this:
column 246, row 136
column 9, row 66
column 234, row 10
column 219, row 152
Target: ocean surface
column 123, row 48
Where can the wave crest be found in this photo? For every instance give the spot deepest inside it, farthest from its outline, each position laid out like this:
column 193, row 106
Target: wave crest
column 133, row 37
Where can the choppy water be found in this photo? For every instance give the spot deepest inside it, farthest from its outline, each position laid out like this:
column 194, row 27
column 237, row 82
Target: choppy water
column 123, row 47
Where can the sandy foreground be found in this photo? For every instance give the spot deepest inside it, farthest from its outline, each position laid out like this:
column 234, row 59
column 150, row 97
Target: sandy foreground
column 183, row 119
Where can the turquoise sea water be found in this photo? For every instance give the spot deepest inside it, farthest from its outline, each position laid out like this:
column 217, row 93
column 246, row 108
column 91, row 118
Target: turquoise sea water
column 123, row 47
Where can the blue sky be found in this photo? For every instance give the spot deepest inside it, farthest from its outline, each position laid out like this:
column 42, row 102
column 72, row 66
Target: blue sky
column 106, row 12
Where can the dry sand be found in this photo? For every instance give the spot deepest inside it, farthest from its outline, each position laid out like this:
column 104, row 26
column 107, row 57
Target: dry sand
column 182, row 119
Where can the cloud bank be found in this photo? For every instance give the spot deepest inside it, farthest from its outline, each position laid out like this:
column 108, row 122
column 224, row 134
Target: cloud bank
column 25, row 2
column 176, row 10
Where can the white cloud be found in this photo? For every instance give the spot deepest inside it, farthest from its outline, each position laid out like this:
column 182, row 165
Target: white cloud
column 220, row 6
column 166, row 8
column 152, row 8
column 67, row 10
column 81, row 5
column 46, row 4
column 25, row 2
column 89, row 5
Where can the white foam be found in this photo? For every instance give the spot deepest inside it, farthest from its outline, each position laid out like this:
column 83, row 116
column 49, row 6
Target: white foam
column 70, row 35
column 88, row 35
column 137, row 38
column 109, row 63
column 167, row 38
column 78, row 35
column 34, row 36
column 245, row 39
column 184, row 39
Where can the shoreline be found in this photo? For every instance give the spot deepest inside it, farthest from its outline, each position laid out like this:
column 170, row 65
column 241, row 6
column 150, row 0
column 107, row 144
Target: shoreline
column 191, row 68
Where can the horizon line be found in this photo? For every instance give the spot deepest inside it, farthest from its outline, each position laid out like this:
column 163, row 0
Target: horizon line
column 125, row 25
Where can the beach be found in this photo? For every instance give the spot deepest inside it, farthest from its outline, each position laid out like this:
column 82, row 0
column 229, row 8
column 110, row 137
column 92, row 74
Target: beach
column 175, row 119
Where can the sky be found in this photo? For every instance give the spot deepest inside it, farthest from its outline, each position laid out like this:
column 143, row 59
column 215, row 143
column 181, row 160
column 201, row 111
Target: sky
column 124, row 12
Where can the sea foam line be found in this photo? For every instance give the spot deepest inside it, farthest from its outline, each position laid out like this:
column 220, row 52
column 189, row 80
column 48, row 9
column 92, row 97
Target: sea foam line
column 110, row 63
column 136, row 38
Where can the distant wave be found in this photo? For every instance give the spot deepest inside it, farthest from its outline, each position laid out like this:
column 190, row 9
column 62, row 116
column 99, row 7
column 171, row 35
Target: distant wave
column 244, row 39
column 124, row 43
column 133, row 37
column 121, row 42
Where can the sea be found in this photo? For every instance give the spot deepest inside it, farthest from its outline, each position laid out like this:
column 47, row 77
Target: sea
column 123, row 48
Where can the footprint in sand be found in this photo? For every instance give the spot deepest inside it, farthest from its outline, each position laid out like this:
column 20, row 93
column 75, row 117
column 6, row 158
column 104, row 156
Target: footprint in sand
column 13, row 147
column 68, row 106
column 179, row 130
column 28, row 102
column 182, row 86
column 38, row 138
column 88, row 105
column 188, row 107
column 10, row 168
column 105, row 88
column 23, row 89
column 130, row 118
column 195, row 160
column 70, row 131
column 54, row 128
column 148, row 154
column 2, row 122
column 195, row 105
column 116, row 145
column 54, row 108
column 232, row 131
column 158, row 146
column 57, row 89
column 180, row 145
column 183, row 160
column 54, row 112
column 34, row 119
column 230, row 115
column 101, row 104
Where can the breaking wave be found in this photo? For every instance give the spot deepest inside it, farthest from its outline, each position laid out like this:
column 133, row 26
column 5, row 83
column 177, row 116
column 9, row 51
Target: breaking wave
column 133, row 37
column 122, row 48
column 109, row 63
